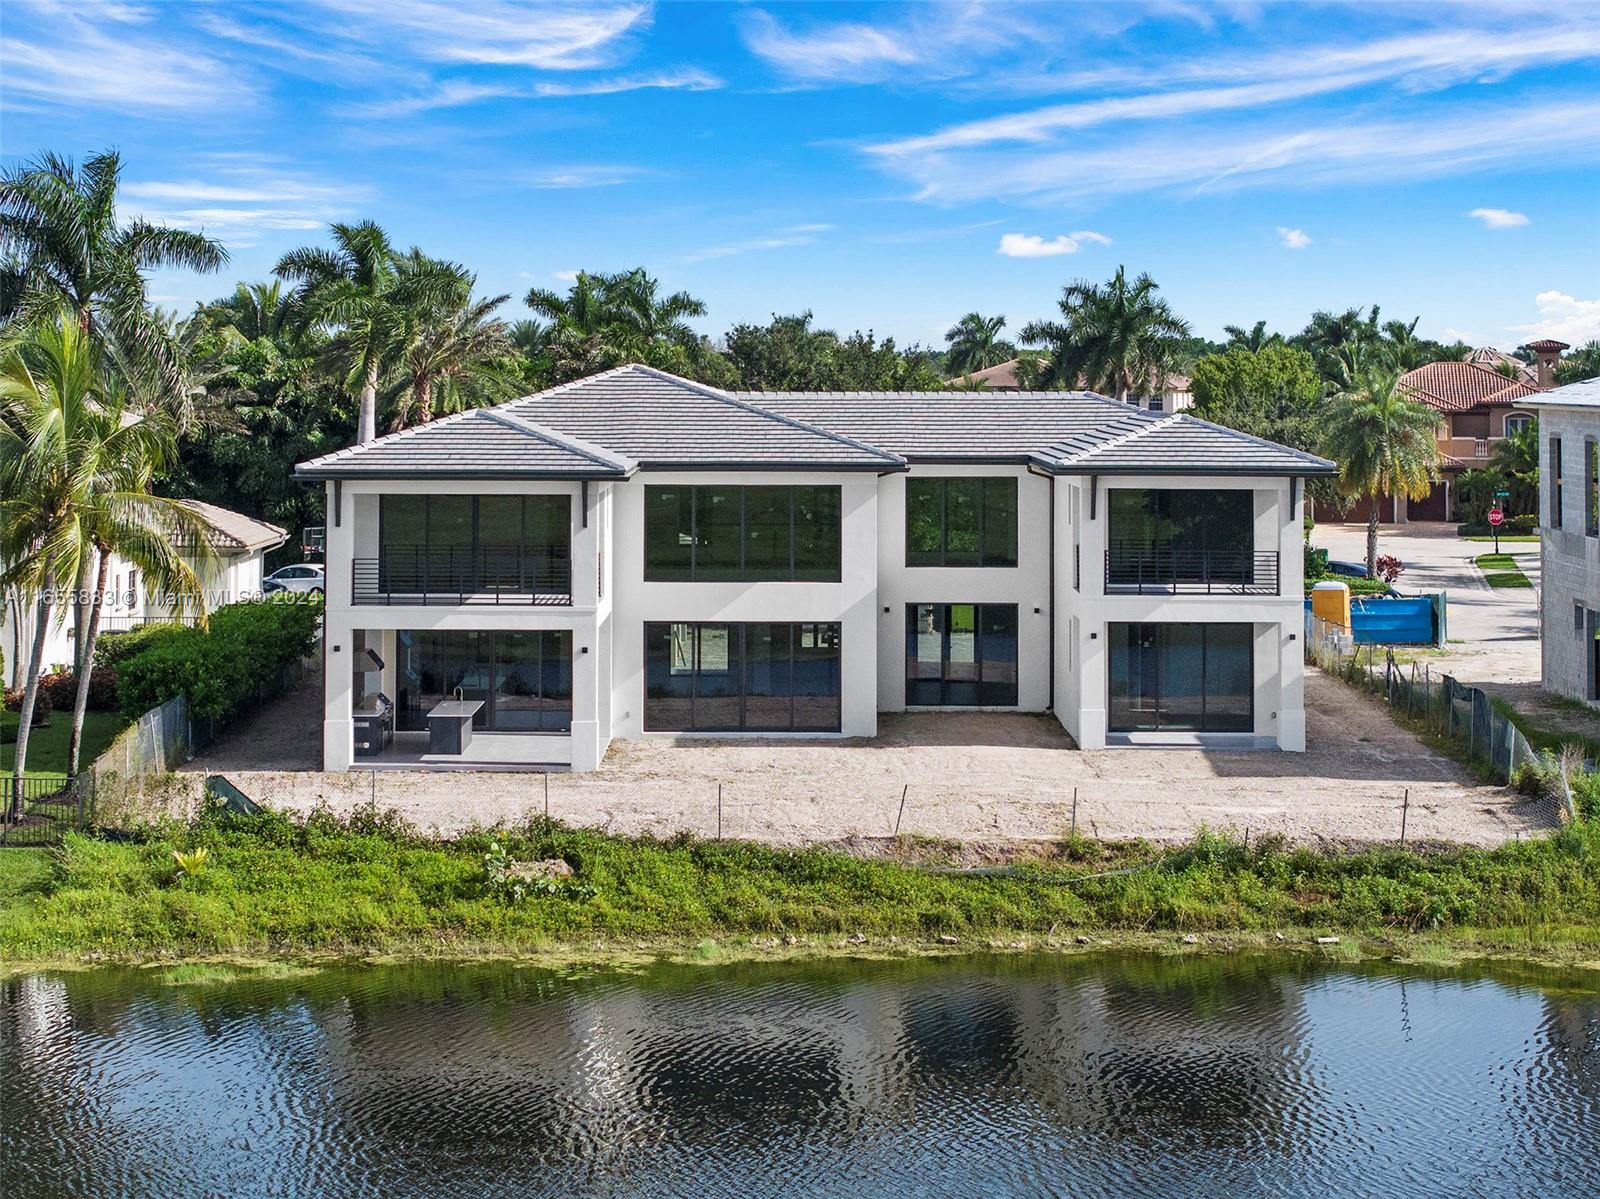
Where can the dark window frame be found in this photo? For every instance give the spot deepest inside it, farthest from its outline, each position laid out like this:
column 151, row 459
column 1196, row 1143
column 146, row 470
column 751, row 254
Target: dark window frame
column 1114, row 643
column 739, row 646
column 525, row 539
column 1555, row 483
column 981, row 641
column 796, row 571
column 486, row 652
column 1591, row 487
column 986, row 485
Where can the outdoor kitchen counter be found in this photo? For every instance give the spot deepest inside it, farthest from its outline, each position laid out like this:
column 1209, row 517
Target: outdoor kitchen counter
column 450, row 725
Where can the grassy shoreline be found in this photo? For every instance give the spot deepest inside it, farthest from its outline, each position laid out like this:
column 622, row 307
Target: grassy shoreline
column 323, row 890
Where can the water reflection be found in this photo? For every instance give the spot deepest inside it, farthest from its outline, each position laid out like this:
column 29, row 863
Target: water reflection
column 1015, row 1076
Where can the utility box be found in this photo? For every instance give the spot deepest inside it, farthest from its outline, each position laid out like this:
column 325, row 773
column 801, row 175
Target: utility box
column 1330, row 601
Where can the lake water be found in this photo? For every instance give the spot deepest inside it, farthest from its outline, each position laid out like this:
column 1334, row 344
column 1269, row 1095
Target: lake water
column 963, row 1077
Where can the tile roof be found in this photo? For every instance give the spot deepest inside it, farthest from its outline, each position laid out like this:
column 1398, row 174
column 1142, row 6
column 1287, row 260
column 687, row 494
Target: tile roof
column 1574, row 395
column 1003, row 377
column 1459, row 386
column 234, row 530
column 662, row 421
column 481, row 442
column 1069, row 432
column 611, row 424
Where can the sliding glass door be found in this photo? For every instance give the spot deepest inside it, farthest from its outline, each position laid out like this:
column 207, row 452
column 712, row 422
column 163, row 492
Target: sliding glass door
column 961, row 655
column 523, row 679
column 1196, row 677
column 741, row 677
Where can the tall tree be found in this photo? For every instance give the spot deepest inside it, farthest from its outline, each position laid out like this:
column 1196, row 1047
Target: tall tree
column 453, row 352
column 1255, row 338
column 1583, row 363
column 253, row 311
column 77, row 467
column 1384, row 444
column 975, row 344
column 1516, row 458
column 64, row 246
column 356, row 292
column 1119, row 337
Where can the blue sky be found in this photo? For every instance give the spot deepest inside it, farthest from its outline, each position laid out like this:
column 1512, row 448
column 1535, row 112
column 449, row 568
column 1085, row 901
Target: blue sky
column 889, row 167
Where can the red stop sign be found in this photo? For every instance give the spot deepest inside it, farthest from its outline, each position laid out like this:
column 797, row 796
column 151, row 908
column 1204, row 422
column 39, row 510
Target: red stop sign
column 1496, row 516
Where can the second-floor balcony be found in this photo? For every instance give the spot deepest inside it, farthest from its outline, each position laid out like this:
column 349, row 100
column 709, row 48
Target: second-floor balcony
column 511, row 574
column 1144, row 568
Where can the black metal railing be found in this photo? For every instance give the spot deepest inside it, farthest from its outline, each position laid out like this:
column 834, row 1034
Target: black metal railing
column 40, row 809
column 480, row 575
column 1144, row 569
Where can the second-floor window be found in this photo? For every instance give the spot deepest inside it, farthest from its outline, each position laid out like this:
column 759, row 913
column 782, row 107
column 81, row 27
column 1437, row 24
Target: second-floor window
column 961, row 522
column 1591, row 488
column 1160, row 536
column 442, row 543
column 742, row 534
column 1554, row 515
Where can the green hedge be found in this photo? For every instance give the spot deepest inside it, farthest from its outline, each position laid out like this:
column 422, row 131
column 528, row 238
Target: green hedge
column 219, row 667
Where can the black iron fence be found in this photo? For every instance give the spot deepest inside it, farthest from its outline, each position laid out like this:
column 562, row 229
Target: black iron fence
column 483, row 575
column 1140, row 568
column 40, row 808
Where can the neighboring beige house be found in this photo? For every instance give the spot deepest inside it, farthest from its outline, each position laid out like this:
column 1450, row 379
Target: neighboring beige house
column 239, row 544
column 1175, row 393
column 1478, row 406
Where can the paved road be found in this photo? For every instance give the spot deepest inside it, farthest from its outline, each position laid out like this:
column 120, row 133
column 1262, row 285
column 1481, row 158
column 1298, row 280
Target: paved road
column 1497, row 629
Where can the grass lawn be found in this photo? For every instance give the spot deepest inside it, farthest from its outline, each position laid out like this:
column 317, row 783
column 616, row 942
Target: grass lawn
column 1504, row 537
column 47, row 747
column 1501, row 570
column 271, row 886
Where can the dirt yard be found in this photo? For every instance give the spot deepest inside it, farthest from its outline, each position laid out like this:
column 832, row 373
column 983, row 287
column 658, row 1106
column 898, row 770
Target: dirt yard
column 993, row 778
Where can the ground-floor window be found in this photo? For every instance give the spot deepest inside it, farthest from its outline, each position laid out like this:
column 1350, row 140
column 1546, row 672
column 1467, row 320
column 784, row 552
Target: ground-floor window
column 1181, row 676
column 961, row 655
column 741, row 677
column 523, row 679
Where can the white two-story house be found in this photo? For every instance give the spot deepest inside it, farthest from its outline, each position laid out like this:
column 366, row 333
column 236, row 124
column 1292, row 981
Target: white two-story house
column 634, row 555
column 1569, row 539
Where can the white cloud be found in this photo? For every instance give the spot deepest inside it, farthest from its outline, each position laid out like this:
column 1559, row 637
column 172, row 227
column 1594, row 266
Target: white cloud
column 580, row 175
column 1563, row 317
column 69, row 61
column 1028, row 245
column 244, row 201
column 934, row 41
column 1293, row 239
column 456, row 93
column 565, row 276
column 556, row 37
column 796, row 235
column 1212, row 157
column 1499, row 218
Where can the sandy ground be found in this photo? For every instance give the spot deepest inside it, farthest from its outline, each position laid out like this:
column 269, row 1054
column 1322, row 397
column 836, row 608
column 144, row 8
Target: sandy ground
column 993, row 778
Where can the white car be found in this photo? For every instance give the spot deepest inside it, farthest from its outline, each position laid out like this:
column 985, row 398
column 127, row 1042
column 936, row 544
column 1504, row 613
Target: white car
column 303, row 576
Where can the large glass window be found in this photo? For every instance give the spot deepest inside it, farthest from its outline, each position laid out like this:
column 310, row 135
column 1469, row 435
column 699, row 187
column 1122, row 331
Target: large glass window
column 961, row 655
column 474, row 543
column 741, row 677
column 1163, row 536
column 1182, row 677
column 961, row 522
column 523, row 679
column 749, row 534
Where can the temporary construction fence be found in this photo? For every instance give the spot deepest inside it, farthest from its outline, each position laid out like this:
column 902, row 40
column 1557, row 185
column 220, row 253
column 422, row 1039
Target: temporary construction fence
column 1441, row 703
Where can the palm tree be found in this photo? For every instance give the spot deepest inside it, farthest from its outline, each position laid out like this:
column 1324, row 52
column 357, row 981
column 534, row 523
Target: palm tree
column 1255, row 339
column 1118, row 338
column 64, row 246
column 1385, row 444
column 77, row 467
column 1516, row 457
column 253, row 311
column 632, row 298
column 453, row 353
column 975, row 344
column 356, row 291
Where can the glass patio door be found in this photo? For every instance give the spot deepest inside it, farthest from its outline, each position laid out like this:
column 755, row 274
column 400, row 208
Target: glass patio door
column 961, row 655
column 1180, row 677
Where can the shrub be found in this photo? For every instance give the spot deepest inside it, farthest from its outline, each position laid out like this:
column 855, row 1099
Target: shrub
column 62, row 688
column 220, row 667
column 41, row 705
column 1316, row 562
column 111, row 648
column 1389, row 567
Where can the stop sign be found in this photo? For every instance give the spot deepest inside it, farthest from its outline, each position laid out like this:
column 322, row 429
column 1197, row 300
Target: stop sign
column 1496, row 516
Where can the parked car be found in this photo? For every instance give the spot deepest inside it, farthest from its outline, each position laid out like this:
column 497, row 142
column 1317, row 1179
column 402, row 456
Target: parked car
column 1354, row 570
column 303, row 576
